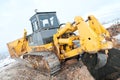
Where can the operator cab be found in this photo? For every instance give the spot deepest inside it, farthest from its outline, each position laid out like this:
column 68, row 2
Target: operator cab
column 44, row 26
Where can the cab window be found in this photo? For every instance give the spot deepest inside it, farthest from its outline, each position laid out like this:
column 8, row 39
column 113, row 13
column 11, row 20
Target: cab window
column 35, row 26
column 48, row 20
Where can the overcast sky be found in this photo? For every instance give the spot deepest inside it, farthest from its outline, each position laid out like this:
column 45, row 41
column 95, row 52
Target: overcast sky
column 15, row 14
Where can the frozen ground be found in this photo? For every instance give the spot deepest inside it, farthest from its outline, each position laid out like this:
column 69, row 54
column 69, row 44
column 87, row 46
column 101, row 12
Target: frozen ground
column 117, row 37
column 20, row 71
column 6, row 61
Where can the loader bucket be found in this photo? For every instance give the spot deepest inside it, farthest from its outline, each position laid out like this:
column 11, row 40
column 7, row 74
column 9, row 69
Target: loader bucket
column 101, row 60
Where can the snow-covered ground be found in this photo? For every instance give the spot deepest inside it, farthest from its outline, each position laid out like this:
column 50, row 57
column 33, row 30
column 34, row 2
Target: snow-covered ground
column 117, row 37
column 4, row 55
column 6, row 61
column 107, row 25
column 112, row 22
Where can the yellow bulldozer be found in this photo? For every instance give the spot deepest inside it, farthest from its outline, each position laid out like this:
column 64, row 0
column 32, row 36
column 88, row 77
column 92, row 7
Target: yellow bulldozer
column 52, row 43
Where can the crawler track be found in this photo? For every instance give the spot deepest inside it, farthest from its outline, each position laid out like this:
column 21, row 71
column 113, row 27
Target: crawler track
column 46, row 62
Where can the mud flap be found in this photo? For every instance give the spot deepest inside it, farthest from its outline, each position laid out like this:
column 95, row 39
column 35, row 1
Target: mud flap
column 101, row 60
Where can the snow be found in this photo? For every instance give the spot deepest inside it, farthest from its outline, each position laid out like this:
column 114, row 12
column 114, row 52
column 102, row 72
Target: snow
column 107, row 25
column 117, row 37
column 6, row 61
column 110, row 23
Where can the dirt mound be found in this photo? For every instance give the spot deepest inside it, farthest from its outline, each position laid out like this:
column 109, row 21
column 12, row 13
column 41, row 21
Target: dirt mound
column 21, row 71
column 114, row 30
column 75, row 71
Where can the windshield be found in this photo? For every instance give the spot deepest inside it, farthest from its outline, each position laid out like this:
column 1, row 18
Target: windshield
column 48, row 20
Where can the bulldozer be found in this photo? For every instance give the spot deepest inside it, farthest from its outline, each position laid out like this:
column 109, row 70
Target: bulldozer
column 52, row 43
